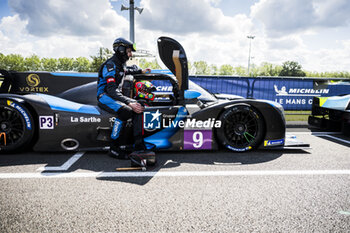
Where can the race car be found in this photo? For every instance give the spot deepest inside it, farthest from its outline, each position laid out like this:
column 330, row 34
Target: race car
column 40, row 113
column 331, row 113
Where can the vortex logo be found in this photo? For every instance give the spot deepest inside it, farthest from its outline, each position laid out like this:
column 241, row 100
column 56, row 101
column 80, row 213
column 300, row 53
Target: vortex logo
column 33, row 80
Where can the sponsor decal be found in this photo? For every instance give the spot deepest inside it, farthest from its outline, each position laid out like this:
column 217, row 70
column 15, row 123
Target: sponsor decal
column 298, row 96
column 110, row 80
column 116, row 129
column 277, row 142
column 238, row 149
column 46, row 122
column 164, row 88
column 193, row 123
column 34, row 89
column 85, row 119
column 151, row 120
column 154, row 120
column 33, row 81
column 23, row 113
column 197, row 139
column 299, row 91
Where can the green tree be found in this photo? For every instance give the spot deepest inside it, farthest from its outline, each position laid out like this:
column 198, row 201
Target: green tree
column 49, row 64
column 268, row 69
column 2, row 64
column 240, row 70
column 226, row 70
column 292, row 68
column 213, row 70
column 82, row 64
column 343, row 74
column 201, row 67
column 13, row 62
column 190, row 68
column 143, row 63
column 254, row 70
column 102, row 55
column 65, row 64
column 32, row 63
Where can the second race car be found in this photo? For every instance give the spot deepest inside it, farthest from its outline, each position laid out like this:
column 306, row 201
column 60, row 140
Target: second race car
column 331, row 113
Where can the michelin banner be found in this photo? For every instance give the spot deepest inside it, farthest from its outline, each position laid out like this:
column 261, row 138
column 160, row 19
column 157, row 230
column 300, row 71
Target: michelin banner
column 292, row 93
column 296, row 94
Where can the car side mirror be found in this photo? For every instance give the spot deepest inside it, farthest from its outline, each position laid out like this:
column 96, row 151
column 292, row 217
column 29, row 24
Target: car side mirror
column 190, row 94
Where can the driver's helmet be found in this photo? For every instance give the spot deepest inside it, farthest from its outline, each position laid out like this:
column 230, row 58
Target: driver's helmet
column 144, row 90
column 120, row 45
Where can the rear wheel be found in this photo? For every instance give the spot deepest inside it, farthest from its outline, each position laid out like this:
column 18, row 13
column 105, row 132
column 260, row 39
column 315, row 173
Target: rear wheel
column 243, row 128
column 16, row 126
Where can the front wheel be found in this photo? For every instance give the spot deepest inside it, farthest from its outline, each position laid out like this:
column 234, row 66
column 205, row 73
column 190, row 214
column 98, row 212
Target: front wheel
column 16, row 126
column 243, row 128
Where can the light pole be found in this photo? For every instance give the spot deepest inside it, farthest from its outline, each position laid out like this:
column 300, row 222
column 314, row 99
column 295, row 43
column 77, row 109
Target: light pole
column 250, row 46
column 131, row 9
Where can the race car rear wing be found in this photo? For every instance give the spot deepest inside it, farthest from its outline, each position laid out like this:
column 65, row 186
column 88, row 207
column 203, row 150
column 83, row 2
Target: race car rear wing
column 42, row 82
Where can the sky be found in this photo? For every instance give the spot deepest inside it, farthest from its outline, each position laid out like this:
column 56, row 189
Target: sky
column 315, row 33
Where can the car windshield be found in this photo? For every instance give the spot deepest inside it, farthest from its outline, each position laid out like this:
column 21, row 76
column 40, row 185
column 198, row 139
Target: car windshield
column 205, row 95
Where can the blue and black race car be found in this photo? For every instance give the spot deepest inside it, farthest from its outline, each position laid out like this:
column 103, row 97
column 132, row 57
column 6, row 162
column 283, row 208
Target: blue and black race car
column 58, row 112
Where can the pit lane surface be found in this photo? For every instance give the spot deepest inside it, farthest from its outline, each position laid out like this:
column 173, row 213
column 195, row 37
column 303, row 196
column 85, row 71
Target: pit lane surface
column 261, row 191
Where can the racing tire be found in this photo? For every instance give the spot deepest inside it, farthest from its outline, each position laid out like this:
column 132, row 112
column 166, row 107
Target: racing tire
column 243, row 128
column 16, row 126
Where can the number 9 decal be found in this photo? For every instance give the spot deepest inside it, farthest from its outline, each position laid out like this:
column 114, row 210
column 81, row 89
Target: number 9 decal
column 197, row 139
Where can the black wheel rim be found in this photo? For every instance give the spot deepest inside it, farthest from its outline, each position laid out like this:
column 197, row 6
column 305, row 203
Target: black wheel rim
column 241, row 127
column 12, row 127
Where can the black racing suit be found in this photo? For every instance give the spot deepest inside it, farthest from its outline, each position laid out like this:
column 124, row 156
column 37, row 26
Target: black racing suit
column 111, row 98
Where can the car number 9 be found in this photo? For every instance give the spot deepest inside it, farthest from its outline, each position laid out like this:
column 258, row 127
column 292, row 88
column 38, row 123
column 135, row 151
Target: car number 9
column 197, row 139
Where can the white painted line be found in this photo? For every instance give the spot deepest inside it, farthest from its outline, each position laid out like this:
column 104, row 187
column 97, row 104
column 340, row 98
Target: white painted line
column 326, row 133
column 227, row 164
column 335, row 138
column 345, row 212
column 65, row 166
column 172, row 174
column 312, row 133
column 320, row 134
